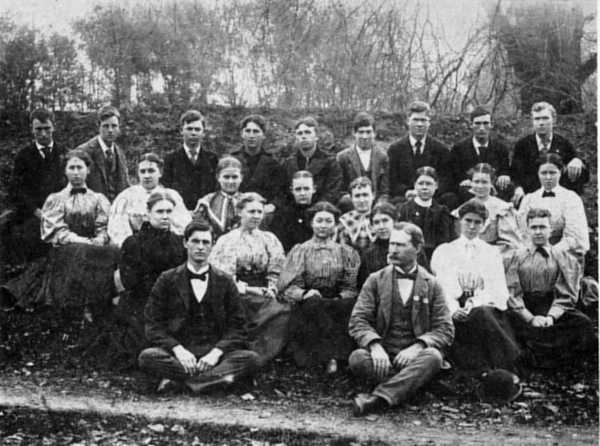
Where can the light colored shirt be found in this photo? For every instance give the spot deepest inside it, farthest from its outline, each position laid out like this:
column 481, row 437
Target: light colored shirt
column 478, row 146
column 540, row 144
column 191, row 154
column 105, row 148
column 413, row 141
column 198, row 286
column 365, row 157
column 568, row 219
column 474, row 258
column 405, row 286
column 422, row 203
column 41, row 148
column 132, row 201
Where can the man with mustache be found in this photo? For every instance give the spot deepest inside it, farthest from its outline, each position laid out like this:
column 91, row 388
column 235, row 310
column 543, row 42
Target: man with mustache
column 401, row 323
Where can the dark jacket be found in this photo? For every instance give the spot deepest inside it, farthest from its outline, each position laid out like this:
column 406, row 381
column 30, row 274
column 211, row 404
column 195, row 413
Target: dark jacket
column 431, row 320
column 98, row 179
column 352, row 168
column 192, row 181
column 523, row 169
column 168, row 312
column 263, row 174
column 326, row 171
column 34, row 178
column 291, row 224
column 437, row 224
column 403, row 166
column 464, row 157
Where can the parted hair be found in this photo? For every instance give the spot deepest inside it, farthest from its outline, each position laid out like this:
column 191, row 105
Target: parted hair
column 549, row 158
column 302, row 174
column 473, row 206
column 157, row 196
column 197, row 225
column 107, row 112
column 418, row 107
column 543, row 105
column 249, row 197
column 152, row 157
column 386, row 208
column 482, row 168
column 479, row 111
column 191, row 116
column 228, row 161
column 42, row 115
column 415, row 233
column 324, row 206
column 427, row 171
column 308, row 121
column 363, row 119
column 78, row 153
column 538, row 213
column 360, row 182
column 259, row 120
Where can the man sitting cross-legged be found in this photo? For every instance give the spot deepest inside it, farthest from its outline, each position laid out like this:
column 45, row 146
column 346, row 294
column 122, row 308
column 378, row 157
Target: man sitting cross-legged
column 401, row 323
column 195, row 322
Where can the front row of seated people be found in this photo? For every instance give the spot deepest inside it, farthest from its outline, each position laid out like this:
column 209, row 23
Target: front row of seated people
column 225, row 311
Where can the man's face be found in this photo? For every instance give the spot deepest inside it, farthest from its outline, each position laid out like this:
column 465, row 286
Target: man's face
column 539, row 229
column 192, row 133
column 364, row 137
column 362, row 198
column 252, row 135
column 418, row 124
column 401, row 251
column 42, row 132
column 198, row 247
column 306, row 137
column 542, row 122
column 470, row 225
column 109, row 129
column 482, row 125
column 303, row 190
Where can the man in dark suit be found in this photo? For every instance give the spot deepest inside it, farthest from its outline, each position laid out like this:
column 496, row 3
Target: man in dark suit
column 401, row 324
column 108, row 173
column 195, row 322
column 418, row 149
column 363, row 159
column 260, row 170
column 191, row 169
column 38, row 171
column 480, row 148
column 542, row 141
column 326, row 171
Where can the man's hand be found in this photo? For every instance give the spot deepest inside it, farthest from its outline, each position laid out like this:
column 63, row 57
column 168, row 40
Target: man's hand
column 269, row 208
column 312, row 293
column 574, row 168
column 409, row 194
column 519, row 193
column 135, row 220
column 503, row 181
column 406, row 356
column 185, row 358
column 209, row 360
column 541, row 321
column 461, row 314
column 38, row 213
column 381, row 360
column 465, row 183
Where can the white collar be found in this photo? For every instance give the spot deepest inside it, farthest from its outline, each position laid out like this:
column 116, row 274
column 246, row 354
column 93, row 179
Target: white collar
column 465, row 241
column 361, row 151
column 40, row 147
column 539, row 140
column 189, row 151
column 478, row 145
column 202, row 269
column 556, row 190
column 412, row 270
column 425, row 204
column 104, row 147
column 413, row 141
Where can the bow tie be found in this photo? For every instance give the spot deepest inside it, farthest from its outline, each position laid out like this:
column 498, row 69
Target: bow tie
column 542, row 252
column 78, row 190
column 402, row 275
column 548, row 194
column 201, row 277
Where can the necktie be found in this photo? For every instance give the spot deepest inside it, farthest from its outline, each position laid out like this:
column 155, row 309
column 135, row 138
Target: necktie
column 109, row 160
column 548, row 194
column 481, row 150
column 418, row 145
column 46, row 151
column 545, row 148
column 400, row 274
column 201, row 277
column 542, row 252
column 78, row 190
column 194, row 155
column 229, row 212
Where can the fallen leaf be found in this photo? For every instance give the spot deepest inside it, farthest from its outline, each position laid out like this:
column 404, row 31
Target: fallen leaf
column 248, row 397
column 157, row 428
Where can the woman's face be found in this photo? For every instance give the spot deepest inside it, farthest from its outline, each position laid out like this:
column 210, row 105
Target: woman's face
column 425, row 187
column 230, row 179
column 76, row 172
column 323, row 224
column 160, row 214
column 471, row 225
column 382, row 225
column 481, row 184
column 149, row 174
column 251, row 215
column 549, row 175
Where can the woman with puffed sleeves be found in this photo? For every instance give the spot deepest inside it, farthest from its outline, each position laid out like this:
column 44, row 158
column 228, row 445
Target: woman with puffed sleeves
column 319, row 279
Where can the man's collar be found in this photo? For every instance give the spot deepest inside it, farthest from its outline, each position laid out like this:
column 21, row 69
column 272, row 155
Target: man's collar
column 413, row 141
column 425, row 204
column 539, row 140
column 40, row 147
column 201, row 270
column 189, row 151
column 103, row 145
column 478, row 144
column 359, row 150
column 310, row 154
column 412, row 270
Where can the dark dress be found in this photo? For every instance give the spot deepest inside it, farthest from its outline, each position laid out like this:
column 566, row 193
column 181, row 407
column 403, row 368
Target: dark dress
column 291, row 224
column 436, row 223
column 144, row 256
column 319, row 326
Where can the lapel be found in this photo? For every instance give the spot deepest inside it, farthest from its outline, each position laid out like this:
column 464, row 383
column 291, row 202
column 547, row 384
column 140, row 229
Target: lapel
column 98, row 156
column 420, row 301
column 388, row 277
column 375, row 159
column 184, row 289
column 317, row 162
column 355, row 161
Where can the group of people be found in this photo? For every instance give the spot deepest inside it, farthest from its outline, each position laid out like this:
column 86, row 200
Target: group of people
column 399, row 262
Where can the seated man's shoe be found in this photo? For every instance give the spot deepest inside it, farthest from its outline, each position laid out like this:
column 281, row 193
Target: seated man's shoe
column 205, row 383
column 332, row 367
column 167, row 386
column 365, row 403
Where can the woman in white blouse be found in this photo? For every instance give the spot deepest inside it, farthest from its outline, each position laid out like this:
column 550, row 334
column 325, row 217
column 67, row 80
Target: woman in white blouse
column 568, row 221
column 129, row 209
column 471, row 274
